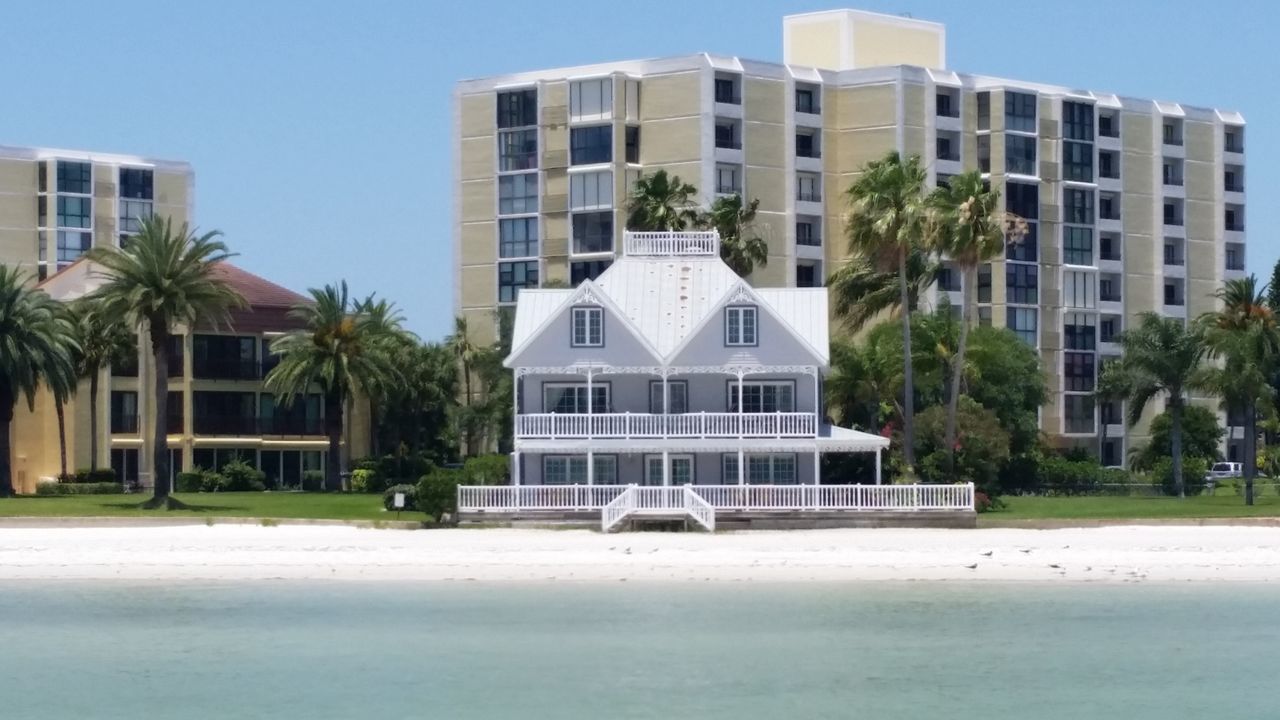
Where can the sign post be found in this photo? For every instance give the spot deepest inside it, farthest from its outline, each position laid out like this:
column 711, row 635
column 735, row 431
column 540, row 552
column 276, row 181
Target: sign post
column 398, row 503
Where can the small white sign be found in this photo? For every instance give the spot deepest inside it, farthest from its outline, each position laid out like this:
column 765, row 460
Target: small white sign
column 398, row 501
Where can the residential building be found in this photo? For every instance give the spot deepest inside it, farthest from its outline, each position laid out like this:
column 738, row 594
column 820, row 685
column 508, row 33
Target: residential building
column 56, row 204
column 1133, row 205
column 218, row 406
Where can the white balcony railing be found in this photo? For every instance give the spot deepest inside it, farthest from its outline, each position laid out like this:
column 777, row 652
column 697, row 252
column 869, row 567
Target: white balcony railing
column 686, row 425
column 671, row 243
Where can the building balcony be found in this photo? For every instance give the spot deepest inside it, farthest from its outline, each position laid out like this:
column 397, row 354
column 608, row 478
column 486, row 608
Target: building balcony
column 226, row 369
column 555, row 426
column 124, row 423
column 290, row 425
column 253, row 426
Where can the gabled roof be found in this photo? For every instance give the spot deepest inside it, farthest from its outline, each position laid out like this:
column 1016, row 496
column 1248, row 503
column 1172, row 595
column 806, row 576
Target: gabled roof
column 588, row 293
column 81, row 278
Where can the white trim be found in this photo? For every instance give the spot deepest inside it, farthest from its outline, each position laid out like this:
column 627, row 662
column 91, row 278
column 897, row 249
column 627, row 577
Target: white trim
column 742, row 290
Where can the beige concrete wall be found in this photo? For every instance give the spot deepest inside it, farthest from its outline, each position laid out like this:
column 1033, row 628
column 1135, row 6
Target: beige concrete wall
column 815, row 44
column 670, row 96
column 671, row 141
column 885, row 43
column 865, row 106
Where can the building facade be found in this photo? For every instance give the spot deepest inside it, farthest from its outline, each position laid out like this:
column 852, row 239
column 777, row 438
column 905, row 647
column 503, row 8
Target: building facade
column 1133, row 205
column 218, row 407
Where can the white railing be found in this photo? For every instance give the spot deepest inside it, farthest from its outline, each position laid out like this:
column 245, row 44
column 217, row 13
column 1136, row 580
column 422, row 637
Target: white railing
column 699, row 509
column 563, row 498
column 671, row 243
column 686, row 425
column 618, row 509
column 657, row 501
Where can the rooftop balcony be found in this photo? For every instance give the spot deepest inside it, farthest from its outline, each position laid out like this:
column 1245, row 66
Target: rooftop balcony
column 672, row 243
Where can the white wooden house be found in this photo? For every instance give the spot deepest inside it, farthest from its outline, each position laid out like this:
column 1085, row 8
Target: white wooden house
column 668, row 384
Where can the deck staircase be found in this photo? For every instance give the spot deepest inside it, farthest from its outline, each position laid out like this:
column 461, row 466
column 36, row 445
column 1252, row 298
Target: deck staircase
column 657, row 503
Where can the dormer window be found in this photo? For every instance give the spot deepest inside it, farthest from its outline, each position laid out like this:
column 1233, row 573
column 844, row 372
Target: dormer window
column 588, row 327
column 740, row 326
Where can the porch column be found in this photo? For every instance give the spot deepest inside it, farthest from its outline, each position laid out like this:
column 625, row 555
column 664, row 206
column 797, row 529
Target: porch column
column 591, row 401
column 591, row 467
column 740, row 373
column 818, row 409
column 666, row 468
column 817, row 469
column 741, row 470
column 666, row 406
column 877, row 466
column 515, row 468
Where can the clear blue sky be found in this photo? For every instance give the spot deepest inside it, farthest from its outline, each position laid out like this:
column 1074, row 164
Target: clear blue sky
column 320, row 131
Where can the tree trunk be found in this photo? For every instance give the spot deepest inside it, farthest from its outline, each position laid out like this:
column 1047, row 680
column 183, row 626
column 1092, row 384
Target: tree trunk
column 93, row 422
column 160, row 483
column 957, row 369
column 333, row 428
column 62, row 437
column 6, row 425
column 908, row 384
column 1250, row 448
column 1175, row 442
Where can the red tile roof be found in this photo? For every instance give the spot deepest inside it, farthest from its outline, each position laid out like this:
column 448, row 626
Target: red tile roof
column 257, row 291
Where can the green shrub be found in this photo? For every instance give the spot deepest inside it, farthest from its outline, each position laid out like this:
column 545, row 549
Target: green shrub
column 438, row 491
column 410, row 497
column 313, row 480
column 85, row 475
column 239, row 476
column 1193, row 475
column 486, row 470
column 982, row 447
column 1059, row 475
column 83, row 488
column 190, row 482
column 364, row 480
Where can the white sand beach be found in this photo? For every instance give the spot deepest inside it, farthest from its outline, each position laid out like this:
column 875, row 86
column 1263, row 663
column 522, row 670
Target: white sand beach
column 248, row 552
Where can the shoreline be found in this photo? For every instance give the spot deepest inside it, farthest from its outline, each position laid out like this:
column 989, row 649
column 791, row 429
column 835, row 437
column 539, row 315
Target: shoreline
column 248, row 552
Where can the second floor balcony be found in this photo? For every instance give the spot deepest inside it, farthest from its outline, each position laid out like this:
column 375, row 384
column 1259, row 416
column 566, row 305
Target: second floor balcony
column 655, row 425
column 226, row 369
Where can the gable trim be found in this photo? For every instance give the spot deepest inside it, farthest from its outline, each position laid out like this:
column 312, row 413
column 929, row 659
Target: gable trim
column 588, row 293
column 740, row 294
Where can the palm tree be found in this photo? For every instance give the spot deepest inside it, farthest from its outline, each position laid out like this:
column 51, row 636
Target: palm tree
column 886, row 221
column 37, row 342
column 165, row 278
column 1163, row 356
column 104, row 340
column 63, row 387
column 740, row 247
column 968, row 226
column 860, row 292
column 343, row 348
column 661, row 202
column 464, row 353
column 1244, row 333
column 1112, row 386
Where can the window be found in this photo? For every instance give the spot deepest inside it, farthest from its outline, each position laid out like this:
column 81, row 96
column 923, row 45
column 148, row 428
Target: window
column 1078, row 413
column 1077, row 161
column 984, row 111
column 946, row 106
column 136, row 183
column 727, row 91
column 677, row 395
column 1077, row 121
column 588, row 327
column 1021, row 283
column 729, row 179
column 984, row 153
column 1077, row 246
column 1108, row 206
column 132, row 213
column 1109, row 288
column 1079, row 331
column 1078, row 289
column 1023, row 200
column 587, row 270
column 1109, row 164
column 1172, row 131
column 1172, row 293
column 591, row 99
column 772, row 469
column 984, row 283
column 807, row 233
column 1233, row 178
column 1022, row 321
column 763, row 396
column 681, row 469
column 1235, row 256
column 591, row 145
column 1027, row 248
column 518, row 237
column 1108, row 246
column 740, row 326
column 808, row 187
column 943, row 180
column 1019, row 111
column 1233, row 139
column 1173, row 212
column 512, row 276
column 593, row 232
column 518, row 194
column 517, row 149
column 1171, row 171
column 74, row 211
column 517, row 108
column 572, row 470
column 1173, row 252
column 806, row 99
column 224, row 357
column 1108, row 124
column 1108, row 329
column 984, row 316
column 1233, row 217
column 1020, row 154
column 75, row 177
column 807, row 145
column 571, row 398
column 948, row 279
column 944, row 150
column 1078, row 370
column 808, row 274
column 72, row 245
column 727, row 135
column 632, row 142
column 124, row 412
column 589, row 191
column 1077, row 206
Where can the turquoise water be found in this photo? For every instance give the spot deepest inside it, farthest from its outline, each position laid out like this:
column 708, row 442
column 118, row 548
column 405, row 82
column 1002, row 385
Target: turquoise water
column 298, row 650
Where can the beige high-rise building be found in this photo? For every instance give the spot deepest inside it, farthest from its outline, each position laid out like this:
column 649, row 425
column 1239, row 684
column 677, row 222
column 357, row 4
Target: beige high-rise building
column 1133, row 205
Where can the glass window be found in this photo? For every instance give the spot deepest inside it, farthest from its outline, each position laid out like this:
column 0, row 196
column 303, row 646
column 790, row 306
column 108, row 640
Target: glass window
column 808, row 187
column 1022, row 284
column 1078, row 289
column 1078, row 369
column 593, row 232
column 728, row 179
column 944, row 105
column 1077, row 161
column 1108, row 165
column 72, row 245
column 588, row 327
column 1022, row 321
column 1020, row 154
column 1108, row 247
column 1019, row 111
column 517, row 149
column 633, row 144
column 1108, row 329
column 806, row 100
column 591, row 99
column 74, row 211
column 518, row 194
column 1023, row 200
column 572, row 398
column 591, row 145
column 761, row 396
column 1079, row 331
column 588, row 191
column 984, row 153
column 518, row 237
column 807, row 234
column 132, row 213
column 1077, row 206
column 1078, row 413
column 727, row 135
column 761, row 469
column 587, row 270
column 677, row 391
column 726, row 90
column 75, row 177
column 984, row 283
column 984, row 111
column 1077, row 121
column 1077, row 246
column 1027, row 247
column 137, row 183
column 517, row 108
column 1108, row 124
column 740, row 326
column 808, row 274
column 512, row 276
column 948, row 279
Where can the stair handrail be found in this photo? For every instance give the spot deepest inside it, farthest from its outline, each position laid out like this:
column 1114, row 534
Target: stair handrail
column 618, row 508
column 699, row 509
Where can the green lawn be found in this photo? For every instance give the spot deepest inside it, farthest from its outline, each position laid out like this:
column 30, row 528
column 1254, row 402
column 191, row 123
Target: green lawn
column 1226, row 504
column 210, row 505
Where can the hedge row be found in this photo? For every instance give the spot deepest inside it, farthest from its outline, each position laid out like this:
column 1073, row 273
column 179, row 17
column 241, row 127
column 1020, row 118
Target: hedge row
column 79, row 488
